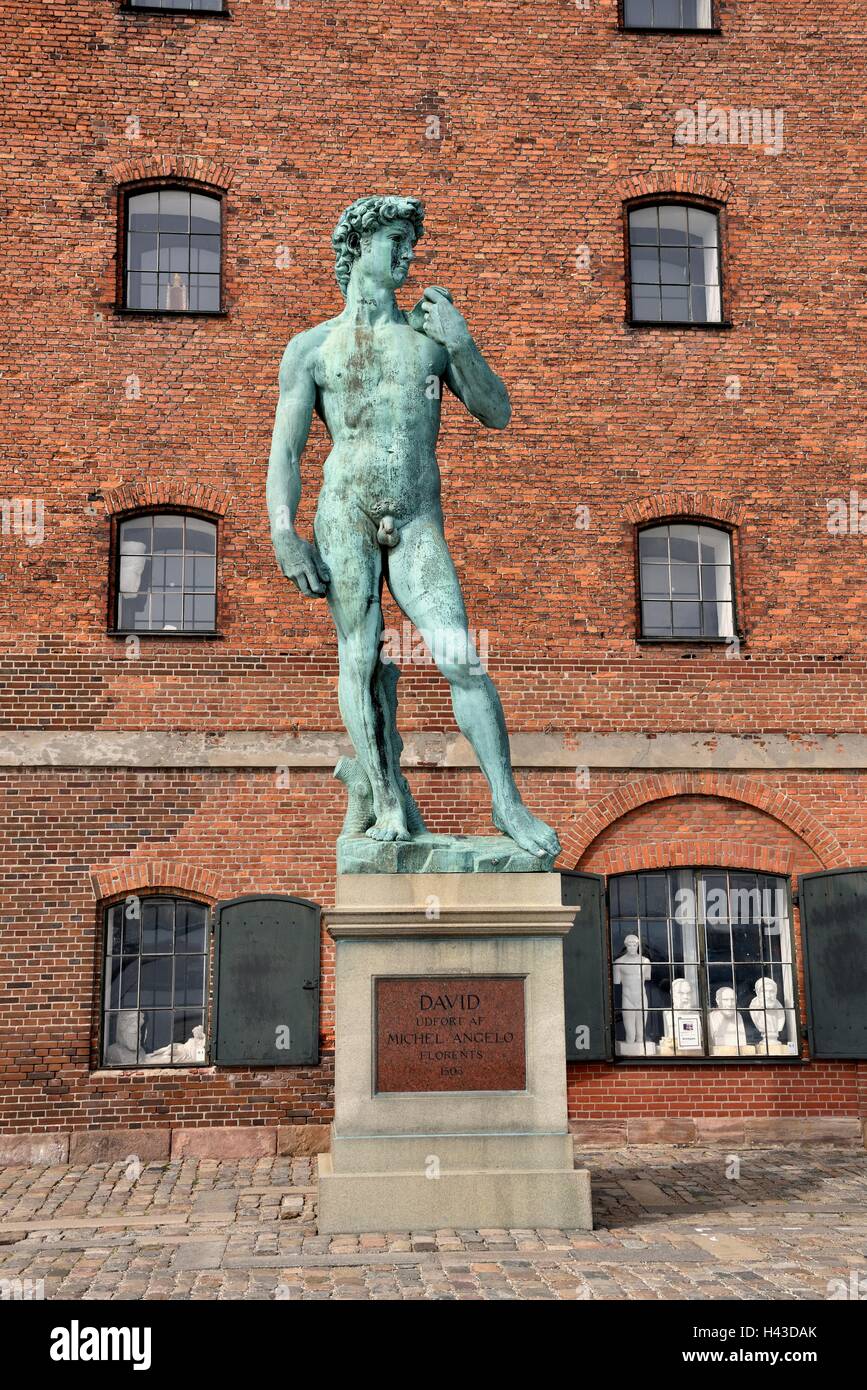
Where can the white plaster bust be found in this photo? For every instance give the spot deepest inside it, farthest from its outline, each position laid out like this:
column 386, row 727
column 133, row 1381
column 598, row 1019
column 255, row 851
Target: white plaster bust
column 681, row 998
column 124, row 1049
column 682, row 1001
column 766, row 1011
column 726, row 1025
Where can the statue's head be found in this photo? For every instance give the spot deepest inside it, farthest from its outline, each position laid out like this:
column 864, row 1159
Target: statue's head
column 632, row 944
column 380, row 232
column 128, row 1029
column 681, row 993
column 726, row 999
column 766, row 990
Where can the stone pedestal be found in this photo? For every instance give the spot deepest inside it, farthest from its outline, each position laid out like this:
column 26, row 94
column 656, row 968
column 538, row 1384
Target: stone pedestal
column 450, row 1071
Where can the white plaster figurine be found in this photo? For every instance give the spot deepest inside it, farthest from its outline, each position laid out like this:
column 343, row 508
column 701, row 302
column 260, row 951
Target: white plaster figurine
column 125, row 1047
column 728, row 1035
column 193, row 1050
column 768, row 1015
column 682, row 1022
column 631, row 971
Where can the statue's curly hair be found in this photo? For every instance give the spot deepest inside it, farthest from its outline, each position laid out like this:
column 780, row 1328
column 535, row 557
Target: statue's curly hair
column 366, row 215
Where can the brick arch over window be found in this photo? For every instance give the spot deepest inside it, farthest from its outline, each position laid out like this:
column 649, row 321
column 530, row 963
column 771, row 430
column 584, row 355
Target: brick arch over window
column 724, row 786
column 157, row 875
column 706, row 851
column 679, row 183
column 166, row 493
column 687, row 831
column 185, row 168
column 707, row 506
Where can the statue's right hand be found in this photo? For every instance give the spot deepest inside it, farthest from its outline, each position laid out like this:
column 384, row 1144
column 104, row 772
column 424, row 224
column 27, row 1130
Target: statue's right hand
column 301, row 562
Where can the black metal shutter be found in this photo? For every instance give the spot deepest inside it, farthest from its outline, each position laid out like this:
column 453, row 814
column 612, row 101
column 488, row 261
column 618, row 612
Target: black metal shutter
column 585, row 970
column 834, row 929
column 266, row 986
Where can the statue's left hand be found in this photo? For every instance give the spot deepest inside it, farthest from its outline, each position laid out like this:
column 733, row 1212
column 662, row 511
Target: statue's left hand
column 442, row 321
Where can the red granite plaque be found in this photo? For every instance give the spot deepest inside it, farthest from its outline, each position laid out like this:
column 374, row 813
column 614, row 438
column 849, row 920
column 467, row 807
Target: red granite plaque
column 455, row 1033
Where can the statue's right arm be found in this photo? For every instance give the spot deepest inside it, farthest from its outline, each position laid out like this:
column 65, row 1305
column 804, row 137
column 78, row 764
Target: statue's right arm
column 298, row 559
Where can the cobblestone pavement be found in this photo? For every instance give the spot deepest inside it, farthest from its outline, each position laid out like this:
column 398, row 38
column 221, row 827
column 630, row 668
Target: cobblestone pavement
column 670, row 1224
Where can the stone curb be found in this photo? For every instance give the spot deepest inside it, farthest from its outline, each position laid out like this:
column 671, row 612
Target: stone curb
column 712, row 1131
column 305, row 1141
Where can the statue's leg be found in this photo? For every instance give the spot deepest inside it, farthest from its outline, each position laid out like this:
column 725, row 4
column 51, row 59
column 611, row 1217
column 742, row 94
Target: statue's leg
column 422, row 578
column 360, row 814
column 347, row 542
column 385, row 690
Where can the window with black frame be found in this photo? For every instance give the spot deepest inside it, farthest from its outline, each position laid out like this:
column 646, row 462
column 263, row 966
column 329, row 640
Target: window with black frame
column 194, row 6
column 685, row 578
column 166, row 573
column 156, row 952
column 674, row 264
column 702, row 964
column 173, row 251
column 668, row 14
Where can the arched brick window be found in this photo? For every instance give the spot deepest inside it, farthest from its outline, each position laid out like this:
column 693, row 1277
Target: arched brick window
column 668, row 14
column 675, row 264
column 171, row 250
column 165, row 573
column 702, row 965
column 686, row 581
column 155, row 982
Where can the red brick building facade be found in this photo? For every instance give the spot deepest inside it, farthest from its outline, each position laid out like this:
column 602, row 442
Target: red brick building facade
column 199, row 766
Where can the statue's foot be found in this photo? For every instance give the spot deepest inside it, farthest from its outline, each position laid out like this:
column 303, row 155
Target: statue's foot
column 527, row 831
column 389, row 826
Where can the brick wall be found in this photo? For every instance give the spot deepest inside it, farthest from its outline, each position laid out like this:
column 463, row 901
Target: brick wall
column 73, row 841
column 550, row 118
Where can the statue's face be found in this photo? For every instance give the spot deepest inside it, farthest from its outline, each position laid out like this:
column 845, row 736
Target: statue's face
column 725, row 999
column 682, row 993
column 387, row 253
column 766, row 990
column 631, row 943
column 128, row 1029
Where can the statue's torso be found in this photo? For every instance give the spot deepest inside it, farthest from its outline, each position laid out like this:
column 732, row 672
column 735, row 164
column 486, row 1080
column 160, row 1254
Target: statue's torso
column 379, row 394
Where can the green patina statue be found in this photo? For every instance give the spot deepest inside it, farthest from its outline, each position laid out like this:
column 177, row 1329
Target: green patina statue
column 373, row 374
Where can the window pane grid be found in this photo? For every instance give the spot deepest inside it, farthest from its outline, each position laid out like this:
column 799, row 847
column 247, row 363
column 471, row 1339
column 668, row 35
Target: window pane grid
column 166, row 577
column 686, row 582
column 154, row 1003
column 668, row 14
column 674, row 264
column 213, row 5
column 712, row 975
column 173, row 251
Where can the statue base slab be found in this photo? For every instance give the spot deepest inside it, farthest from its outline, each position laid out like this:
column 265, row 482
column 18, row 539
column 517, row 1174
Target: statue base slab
column 450, row 1066
column 436, row 854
